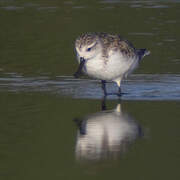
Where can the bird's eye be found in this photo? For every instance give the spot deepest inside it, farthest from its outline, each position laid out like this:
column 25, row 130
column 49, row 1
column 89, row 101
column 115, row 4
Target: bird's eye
column 88, row 49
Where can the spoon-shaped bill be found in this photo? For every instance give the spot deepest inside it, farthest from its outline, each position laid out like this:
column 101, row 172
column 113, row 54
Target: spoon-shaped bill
column 79, row 70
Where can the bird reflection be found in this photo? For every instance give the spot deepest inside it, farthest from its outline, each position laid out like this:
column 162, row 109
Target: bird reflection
column 105, row 134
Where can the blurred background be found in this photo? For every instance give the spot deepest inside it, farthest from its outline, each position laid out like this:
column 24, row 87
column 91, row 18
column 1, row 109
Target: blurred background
column 48, row 119
column 37, row 37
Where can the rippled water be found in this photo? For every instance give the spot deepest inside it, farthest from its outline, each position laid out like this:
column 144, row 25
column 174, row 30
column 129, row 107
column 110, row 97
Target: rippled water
column 136, row 87
column 53, row 126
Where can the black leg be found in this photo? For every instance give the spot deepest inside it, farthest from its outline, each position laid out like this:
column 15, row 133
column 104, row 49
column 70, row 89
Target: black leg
column 104, row 87
column 119, row 91
column 103, row 104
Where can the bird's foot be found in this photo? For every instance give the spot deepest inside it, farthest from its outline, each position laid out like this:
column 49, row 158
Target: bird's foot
column 119, row 94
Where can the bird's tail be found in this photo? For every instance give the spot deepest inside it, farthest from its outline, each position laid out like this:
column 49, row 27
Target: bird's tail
column 142, row 52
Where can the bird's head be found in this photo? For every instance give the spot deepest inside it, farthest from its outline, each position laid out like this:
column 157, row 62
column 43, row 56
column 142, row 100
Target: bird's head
column 88, row 46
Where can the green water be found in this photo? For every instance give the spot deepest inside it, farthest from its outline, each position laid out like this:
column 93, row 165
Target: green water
column 38, row 36
column 38, row 134
column 38, row 138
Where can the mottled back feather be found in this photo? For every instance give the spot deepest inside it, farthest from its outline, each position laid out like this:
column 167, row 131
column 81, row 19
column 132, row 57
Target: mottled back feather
column 109, row 42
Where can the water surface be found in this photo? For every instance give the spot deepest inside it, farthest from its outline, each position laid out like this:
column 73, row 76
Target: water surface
column 136, row 87
column 37, row 37
column 53, row 126
column 38, row 138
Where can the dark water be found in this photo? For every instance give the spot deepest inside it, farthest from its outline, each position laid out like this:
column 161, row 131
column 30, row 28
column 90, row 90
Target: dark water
column 53, row 126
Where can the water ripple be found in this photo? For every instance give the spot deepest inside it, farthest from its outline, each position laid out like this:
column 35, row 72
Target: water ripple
column 136, row 87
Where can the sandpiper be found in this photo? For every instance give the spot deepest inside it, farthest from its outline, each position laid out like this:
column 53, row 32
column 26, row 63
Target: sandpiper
column 108, row 57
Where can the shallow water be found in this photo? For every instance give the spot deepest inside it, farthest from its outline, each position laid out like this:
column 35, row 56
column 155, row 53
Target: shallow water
column 37, row 37
column 136, row 87
column 39, row 138
column 53, row 126
column 50, row 127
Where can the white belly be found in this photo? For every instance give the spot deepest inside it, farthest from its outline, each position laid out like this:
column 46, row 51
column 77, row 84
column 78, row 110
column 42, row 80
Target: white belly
column 115, row 67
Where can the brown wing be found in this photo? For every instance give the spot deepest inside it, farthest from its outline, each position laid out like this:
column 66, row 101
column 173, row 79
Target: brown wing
column 117, row 43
